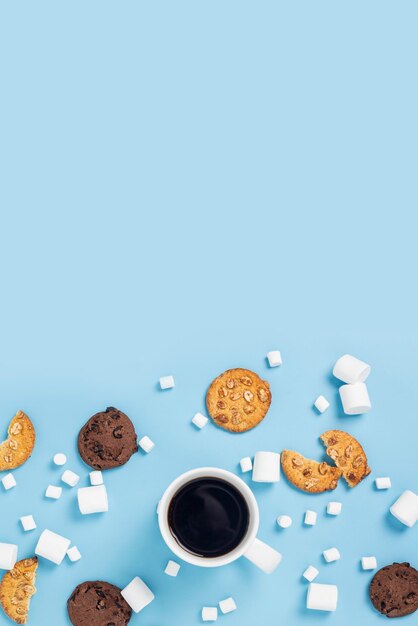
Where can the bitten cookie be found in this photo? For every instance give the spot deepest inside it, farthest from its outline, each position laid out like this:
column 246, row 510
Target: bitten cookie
column 238, row 400
column 97, row 603
column 107, row 440
column 347, row 454
column 394, row 590
column 309, row 475
column 17, row 588
column 18, row 446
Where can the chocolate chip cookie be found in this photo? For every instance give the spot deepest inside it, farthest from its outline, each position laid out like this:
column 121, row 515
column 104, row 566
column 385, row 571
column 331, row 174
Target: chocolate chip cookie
column 17, row 588
column 309, row 475
column 97, row 603
column 17, row 448
column 107, row 440
column 347, row 454
column 238, row 400
column 394, row 590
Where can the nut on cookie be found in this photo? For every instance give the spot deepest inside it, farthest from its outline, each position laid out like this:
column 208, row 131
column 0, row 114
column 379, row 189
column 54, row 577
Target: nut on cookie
column 18, row 446
column 309, row 475
column 16, row 589
column 347, row 454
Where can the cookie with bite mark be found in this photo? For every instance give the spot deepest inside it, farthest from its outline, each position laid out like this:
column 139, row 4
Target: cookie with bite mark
column 17, row 588
column 347, row 454
column 309, row 475
column 17, row 448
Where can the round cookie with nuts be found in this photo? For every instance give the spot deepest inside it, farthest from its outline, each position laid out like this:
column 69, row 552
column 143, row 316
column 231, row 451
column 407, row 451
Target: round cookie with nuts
column 347, row 454
column 238, row 400
column 98, row 603
column 309, row 475
column 394, row 590
column 16, row 589
column 17, row 448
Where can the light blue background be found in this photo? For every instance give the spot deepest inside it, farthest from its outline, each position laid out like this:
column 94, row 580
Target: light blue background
column 185, row 186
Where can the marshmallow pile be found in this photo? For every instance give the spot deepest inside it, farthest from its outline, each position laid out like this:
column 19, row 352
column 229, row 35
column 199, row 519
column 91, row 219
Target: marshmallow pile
column 354, row 395
column 210, row 613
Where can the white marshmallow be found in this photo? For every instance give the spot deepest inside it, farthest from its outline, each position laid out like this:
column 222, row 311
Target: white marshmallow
column 92, row 499
column 200, row 420
column 172, row 568
column 310, row 573
column 96, row 478
column 8, row 555
column 209, row 614
column 8, row 481
column 246, row 464
column 70, row 478
column 52, row 547
column 266, row 467
column 322, row 597
column 355, row 399
column 137, row 594
column 274, row 358
column 74, row 554
column 284, row 521
column 310, row 518
column 331, row 555
column 334, row 508
column 405, row 509
column 60, row 458
column 146, row 444
column 228, row 605
column 383, row 482
column 263, row 556
column 368, row 562
column 321, row 404
column 351, row 370
column 53, row 492
column 28, row 523
column 167, row 382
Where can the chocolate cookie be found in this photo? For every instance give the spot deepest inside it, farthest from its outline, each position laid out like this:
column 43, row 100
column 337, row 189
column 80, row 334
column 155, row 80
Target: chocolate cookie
column 107, row 440
column 97, row 603
column 394, row 590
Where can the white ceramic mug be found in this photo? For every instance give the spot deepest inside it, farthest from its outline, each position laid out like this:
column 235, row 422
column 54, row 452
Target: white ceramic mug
column 256, row 551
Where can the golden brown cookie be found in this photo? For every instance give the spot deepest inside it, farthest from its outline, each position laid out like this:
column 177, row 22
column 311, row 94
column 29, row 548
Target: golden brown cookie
column 17, row 588
column 347, row 454
column 309, row 475
column 17, row 448
column 238, row 400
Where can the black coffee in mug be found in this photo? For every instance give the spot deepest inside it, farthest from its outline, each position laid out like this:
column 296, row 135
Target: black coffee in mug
column 208, row 517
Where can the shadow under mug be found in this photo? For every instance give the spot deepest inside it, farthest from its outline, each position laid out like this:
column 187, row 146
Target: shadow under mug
column 256, row 551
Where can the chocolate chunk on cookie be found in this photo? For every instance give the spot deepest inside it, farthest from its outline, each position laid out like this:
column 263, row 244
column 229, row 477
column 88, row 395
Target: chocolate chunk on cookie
column 17, row 448
column 347, row 454
column 17, row 588
column 238, row 400
column 309, row 475
column 97, row 603
column 394, row 590
column 107, row 440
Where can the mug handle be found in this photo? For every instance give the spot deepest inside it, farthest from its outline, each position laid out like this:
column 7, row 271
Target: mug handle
column 263, row 556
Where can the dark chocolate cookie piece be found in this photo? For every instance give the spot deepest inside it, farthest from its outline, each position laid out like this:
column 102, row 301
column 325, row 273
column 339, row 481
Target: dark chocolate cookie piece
column 107, row 440
column 97, row 603
column 394, row 590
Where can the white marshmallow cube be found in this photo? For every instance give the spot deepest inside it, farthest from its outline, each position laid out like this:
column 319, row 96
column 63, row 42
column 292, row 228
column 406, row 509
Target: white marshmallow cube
column 334, row 508
column 200, row 420
column 266, row 467
column 96, row 478
column 52, row 546
column 368, row 562
column 209, row 614
column 331, row 555
column 310, row 518
column 383, row 482
column 405, row 509
column 8, row 481
column 349, row 369
column 172, row 568
column 246, row 464
column 228, row 605
column 166, row 382
column 137, row 594
column 274, row 358
column 70, row 478
column 310, row 573
column 8, row 555
column 263, row 556
column 146, row 444
column 322, row 597
column 321, row 404
column 284, row 521
column 28, row 523
column 53, row 492
column 92, row 499
column 60, row 458
column 74, row 554
column 355, row 399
